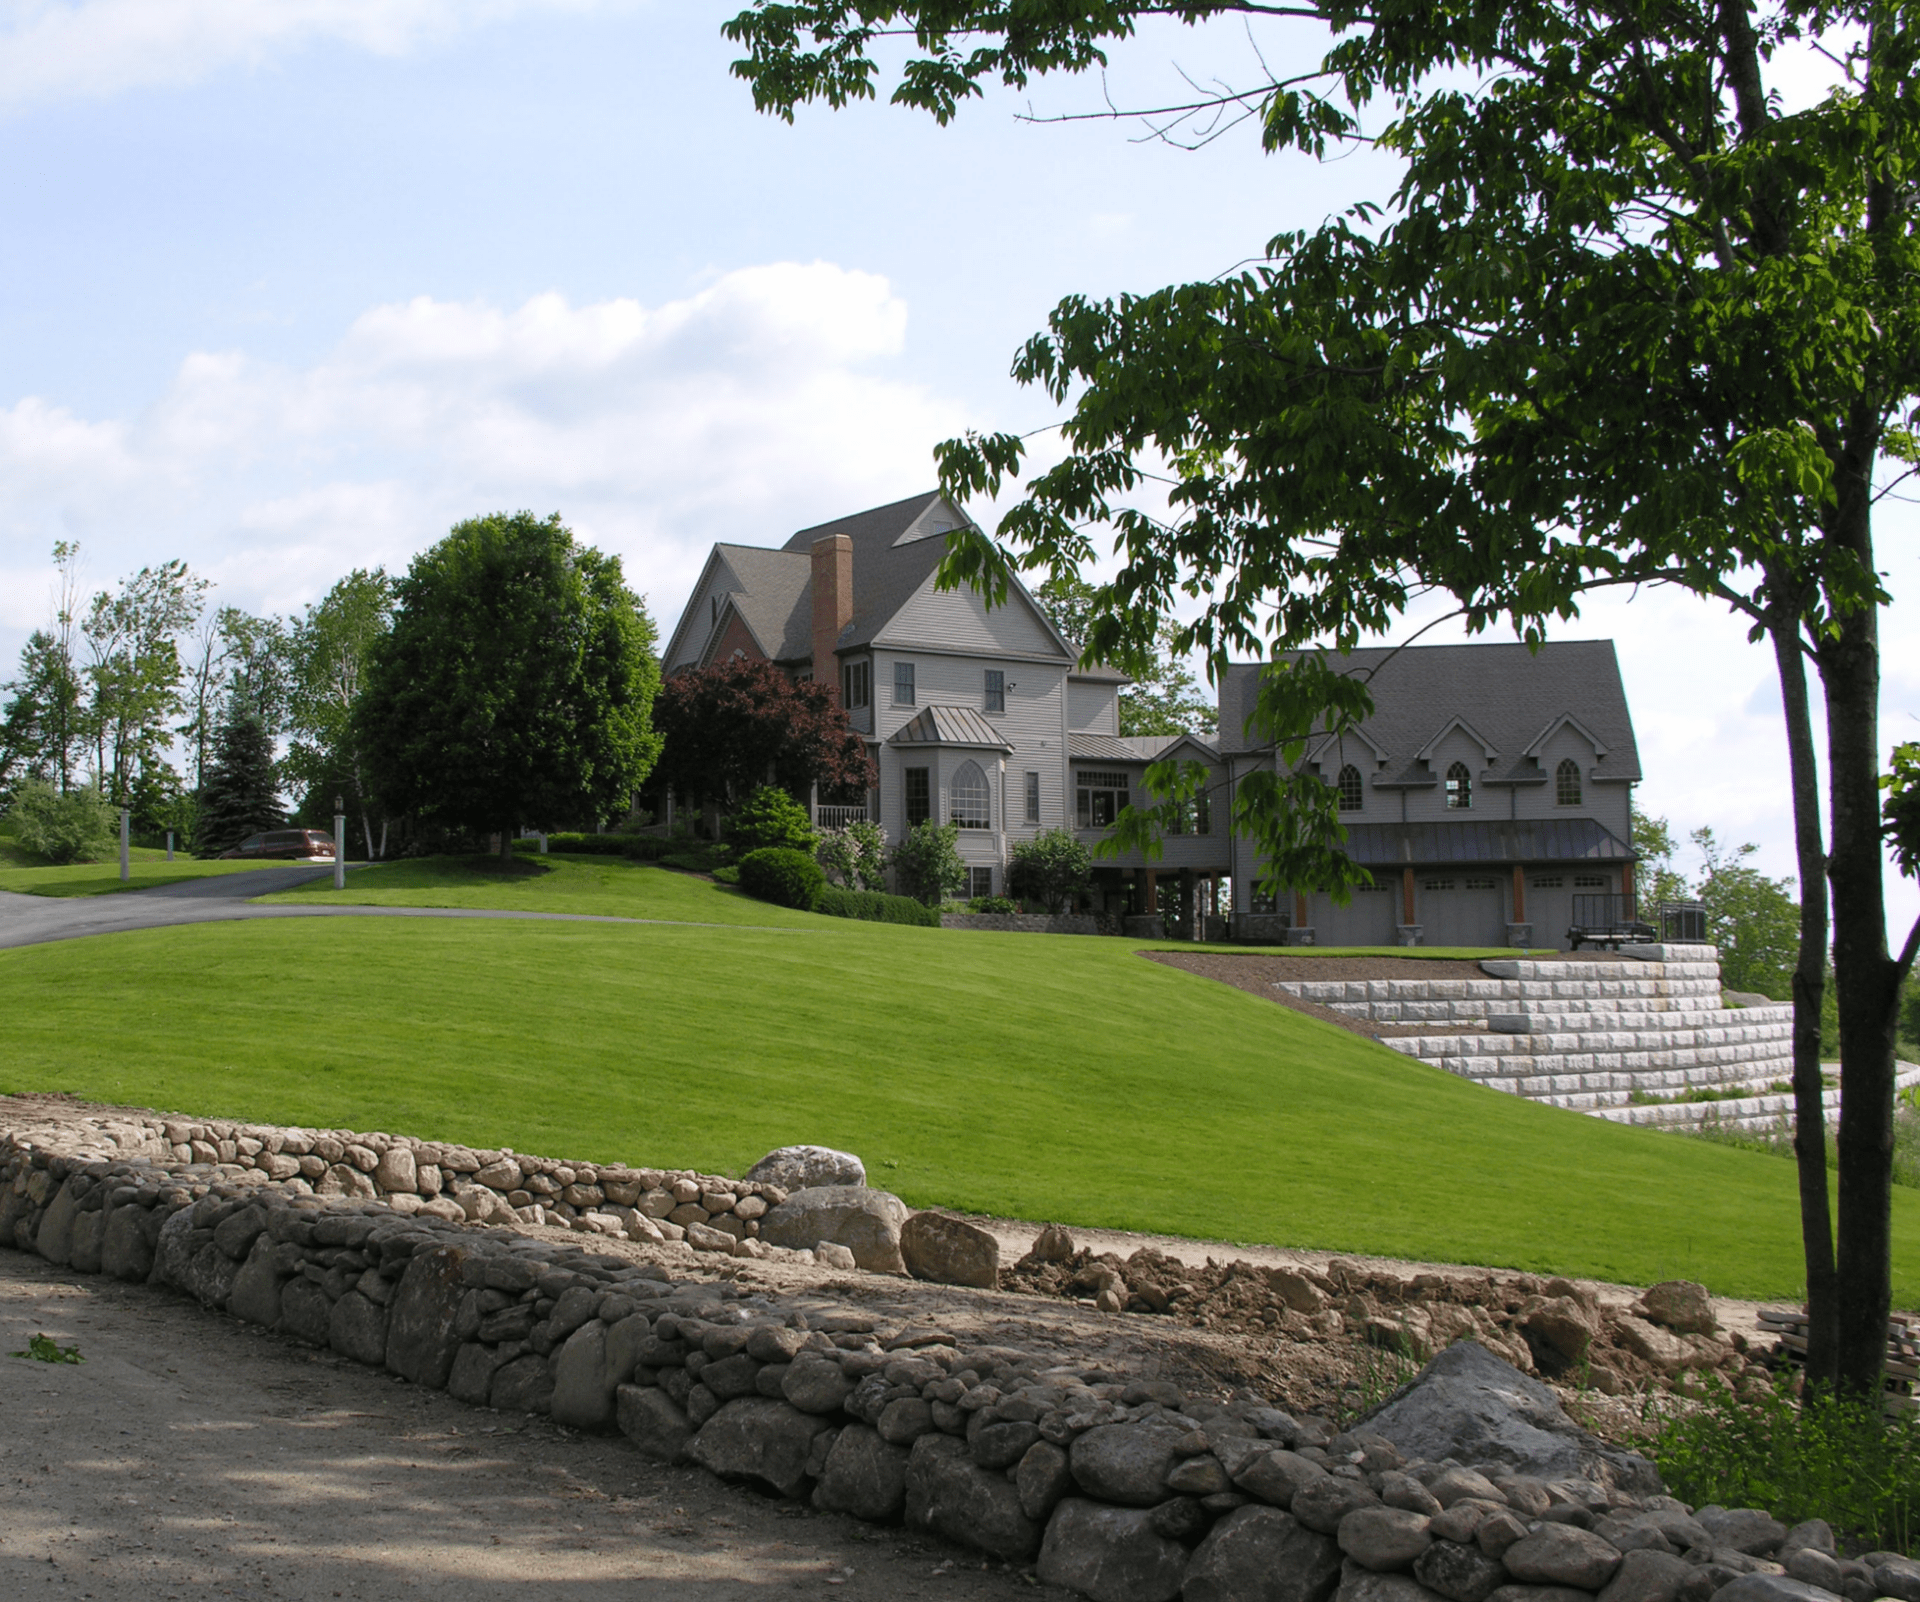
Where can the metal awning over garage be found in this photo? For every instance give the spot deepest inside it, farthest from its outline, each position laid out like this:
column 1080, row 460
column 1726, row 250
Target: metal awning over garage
column 1434, row 844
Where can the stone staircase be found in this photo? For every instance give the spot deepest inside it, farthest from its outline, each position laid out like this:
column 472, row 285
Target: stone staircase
column 1591, row 1035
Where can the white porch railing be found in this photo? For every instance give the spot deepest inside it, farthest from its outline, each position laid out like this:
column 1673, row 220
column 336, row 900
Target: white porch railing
column 838, row 817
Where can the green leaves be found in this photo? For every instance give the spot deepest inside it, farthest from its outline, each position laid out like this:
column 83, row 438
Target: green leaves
column 44, row 1349
column 516, row 685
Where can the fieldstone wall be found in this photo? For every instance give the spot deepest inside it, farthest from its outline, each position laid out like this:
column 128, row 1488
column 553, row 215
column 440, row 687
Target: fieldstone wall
column 1472, row 1481
column 1068, row 923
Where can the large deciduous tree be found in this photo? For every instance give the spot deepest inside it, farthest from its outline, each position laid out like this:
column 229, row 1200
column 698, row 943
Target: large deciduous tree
column 328, row 650
column 742, row 723
column 1632, row 315
column 516, row 685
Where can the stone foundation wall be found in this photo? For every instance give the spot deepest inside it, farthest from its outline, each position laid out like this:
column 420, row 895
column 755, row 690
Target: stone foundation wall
column 1124, row 1490
column 1067, row 923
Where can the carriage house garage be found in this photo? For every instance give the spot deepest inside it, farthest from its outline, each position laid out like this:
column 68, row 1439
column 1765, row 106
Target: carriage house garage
column 1491, row 786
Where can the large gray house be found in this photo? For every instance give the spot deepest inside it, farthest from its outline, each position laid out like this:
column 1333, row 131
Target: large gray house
column 1490, row 786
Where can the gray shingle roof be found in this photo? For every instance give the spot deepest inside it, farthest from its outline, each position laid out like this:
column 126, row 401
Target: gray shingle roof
column 774, row 598
column 885, row 575
column 1432, row 844
column 1128, row 747
column 1509, row 694
column 950, row 725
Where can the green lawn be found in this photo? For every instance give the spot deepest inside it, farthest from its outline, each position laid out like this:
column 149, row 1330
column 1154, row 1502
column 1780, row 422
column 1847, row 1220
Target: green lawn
column 148, row 868
column 609, row 886
column 1036, row 1076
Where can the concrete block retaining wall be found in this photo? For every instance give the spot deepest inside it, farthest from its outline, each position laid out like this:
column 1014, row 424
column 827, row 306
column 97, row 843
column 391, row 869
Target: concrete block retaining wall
column 1127, row 1491
column 1591, row 1035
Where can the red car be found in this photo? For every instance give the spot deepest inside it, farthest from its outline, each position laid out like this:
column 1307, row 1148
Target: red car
column 284, row 845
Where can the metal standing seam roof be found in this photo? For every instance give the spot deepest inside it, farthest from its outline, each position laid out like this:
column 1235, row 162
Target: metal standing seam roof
column 1509, row 694
column 1127, row 747
column 950, row 725
column 1514, row 841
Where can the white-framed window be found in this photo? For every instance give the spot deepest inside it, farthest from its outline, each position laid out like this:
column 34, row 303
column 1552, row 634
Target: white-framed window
column 1459, row 787
column 996, row 694
column 1352, row 794
column 1436, row 884
column 1566, row 783
column 1033, row 798
column 1379, row 885
column 1591, row 881
column 1101, row 797
column 1546, row 881
column 1481, row 884
column 979, row 882
column 971, row 804
column 856, row 684
column 903, row 684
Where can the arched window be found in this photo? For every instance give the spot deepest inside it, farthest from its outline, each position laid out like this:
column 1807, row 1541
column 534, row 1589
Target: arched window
column 1459, row 786
column 972, row 801
column 1351, row 793
column 1566, row 784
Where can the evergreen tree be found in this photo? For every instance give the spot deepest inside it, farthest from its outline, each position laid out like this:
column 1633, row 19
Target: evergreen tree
column 240, row 796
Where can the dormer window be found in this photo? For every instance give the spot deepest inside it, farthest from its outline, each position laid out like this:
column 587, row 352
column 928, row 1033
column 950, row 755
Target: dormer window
column 1352, row 793
column 1459, row 787
column 1566, row 784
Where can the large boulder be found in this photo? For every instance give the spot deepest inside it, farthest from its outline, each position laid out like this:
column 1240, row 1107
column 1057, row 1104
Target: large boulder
column 1471, row 1406
column 1680, row 1305
column 421, row 1338
column 863, row 1475
column 1111, row 1554
column 759, row 1438
column 950, row 1251
column 866, row 1222
column 1126, row 1463
column 808, row 1168
column 1260, row 1552
column 950, row 1494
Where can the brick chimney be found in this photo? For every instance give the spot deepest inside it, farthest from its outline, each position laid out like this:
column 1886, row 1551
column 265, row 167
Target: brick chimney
column 832, row 604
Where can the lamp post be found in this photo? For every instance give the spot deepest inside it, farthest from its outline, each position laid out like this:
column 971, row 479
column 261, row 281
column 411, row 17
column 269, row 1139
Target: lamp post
column 339, row 843
column 126, row 864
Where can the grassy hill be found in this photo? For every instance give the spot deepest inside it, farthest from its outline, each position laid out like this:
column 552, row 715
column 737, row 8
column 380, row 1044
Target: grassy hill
column 1035, row 1076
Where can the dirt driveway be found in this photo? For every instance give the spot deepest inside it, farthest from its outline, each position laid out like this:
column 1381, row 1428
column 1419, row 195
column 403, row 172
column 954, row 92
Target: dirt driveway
column 193, row 1457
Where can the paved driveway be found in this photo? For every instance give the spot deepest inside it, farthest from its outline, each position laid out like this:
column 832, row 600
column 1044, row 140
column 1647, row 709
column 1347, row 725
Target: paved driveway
column 35, row 920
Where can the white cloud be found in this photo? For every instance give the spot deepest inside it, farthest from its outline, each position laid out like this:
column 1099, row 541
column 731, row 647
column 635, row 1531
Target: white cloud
column 59, row 49
column 756, row 406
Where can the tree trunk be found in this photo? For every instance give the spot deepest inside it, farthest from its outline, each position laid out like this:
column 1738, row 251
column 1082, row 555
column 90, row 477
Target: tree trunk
column 1809, row 987
column 1866, row 977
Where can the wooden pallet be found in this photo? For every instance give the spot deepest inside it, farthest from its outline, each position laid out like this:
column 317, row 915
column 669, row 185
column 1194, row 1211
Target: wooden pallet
column 1789, row 1329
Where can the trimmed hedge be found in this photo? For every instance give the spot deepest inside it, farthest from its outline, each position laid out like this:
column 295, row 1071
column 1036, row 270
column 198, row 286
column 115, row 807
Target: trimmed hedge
column 875, row 907
column 786, row 878
column 641, row 847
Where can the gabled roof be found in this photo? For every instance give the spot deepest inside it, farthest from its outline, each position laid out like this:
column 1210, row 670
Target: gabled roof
column 1487, row 747
column 950, row 725
column 1565, row 720
column 773, row 598
column 886, row 573
column 1507, row 692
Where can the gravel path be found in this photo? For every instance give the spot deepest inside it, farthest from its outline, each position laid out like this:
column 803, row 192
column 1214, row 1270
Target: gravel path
column 35, row 920
column 191, row 1456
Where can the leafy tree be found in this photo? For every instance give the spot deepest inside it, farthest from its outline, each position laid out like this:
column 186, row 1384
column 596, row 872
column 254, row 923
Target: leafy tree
column 1165, row 698
column 1754, row 920
column 516, row 685
column 234, row 654
column 771, row 818
column 1051, row 868
column 739, row 724
column 855, row 856
column 43, row 724
column 1657, row 879
column 926, row 864
column 63, row 826
column 327, row 653
column 135, row 673
column 241, row 795
column 1632, row 315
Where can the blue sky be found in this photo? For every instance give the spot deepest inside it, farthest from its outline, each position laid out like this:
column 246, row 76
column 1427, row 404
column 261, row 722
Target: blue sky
column 292, row 285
